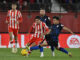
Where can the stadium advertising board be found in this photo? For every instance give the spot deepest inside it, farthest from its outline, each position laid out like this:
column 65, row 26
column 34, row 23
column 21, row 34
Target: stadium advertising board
column 65, row 40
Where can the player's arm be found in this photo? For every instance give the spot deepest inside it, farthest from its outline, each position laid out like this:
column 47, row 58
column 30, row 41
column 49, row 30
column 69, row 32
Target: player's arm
column 19, row 17
column 7, row 17
column 31, row 29
column 67, row 29
column 48, row 22
column 47, row 30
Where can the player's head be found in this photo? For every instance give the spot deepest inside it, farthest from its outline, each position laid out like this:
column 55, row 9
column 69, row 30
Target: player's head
column 56, row 20
column 37, row 19
column 14, row 6
column 42, row 11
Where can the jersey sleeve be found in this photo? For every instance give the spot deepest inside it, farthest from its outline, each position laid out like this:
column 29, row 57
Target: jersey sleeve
column 46, row 28
column 48, row 22
column 61, row 26
column 19, row 16
column 32, row 28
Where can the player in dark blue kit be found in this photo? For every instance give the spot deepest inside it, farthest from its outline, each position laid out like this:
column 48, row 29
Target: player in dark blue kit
column 47, row 21
column 56, row 28
column 44, row 18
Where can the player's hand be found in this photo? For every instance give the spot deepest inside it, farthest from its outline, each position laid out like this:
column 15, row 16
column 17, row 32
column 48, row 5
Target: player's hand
column 7, row 22
column 17, row 22
column 41, row 35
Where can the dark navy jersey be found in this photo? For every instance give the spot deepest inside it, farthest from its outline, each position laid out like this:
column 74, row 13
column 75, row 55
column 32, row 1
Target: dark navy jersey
column 46, row 20
column 55, row 30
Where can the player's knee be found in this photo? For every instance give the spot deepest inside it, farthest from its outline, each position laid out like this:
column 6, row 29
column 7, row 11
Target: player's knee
column 28, row 44
column 15, row 41
column 15, row 37
column 10, row 37
column 39, row 46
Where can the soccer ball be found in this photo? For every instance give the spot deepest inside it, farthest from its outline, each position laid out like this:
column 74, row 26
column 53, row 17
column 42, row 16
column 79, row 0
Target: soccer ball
column 24, row 52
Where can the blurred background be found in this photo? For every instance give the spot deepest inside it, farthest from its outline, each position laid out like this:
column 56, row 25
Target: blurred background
column 68, row 10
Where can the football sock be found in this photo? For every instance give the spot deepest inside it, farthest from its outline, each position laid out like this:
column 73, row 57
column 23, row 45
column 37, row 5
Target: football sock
column 42, row 54
column 52, row 48
column 63, row 50
column 34, row 48
column 11, row 43
column 37, row 47
column 41, row 49
column 15, row 45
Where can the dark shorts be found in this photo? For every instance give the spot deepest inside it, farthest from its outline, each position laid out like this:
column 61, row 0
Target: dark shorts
column 51, row 42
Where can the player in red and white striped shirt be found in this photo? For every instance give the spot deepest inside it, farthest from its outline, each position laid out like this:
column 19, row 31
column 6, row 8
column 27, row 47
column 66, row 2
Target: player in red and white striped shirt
column 13, row 19
column 40, row 29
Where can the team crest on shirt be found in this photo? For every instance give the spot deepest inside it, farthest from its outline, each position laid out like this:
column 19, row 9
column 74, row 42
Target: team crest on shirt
column 49, row 18
column 57, row 26
column 45, row 19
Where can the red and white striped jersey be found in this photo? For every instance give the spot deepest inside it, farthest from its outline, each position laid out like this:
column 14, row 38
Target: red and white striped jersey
column 13, row 17
column 39, row 29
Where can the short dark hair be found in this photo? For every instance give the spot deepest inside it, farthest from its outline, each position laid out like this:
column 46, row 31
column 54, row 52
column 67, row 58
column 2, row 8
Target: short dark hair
column 42, row 9
column 14, row 3
column 56, row 17
column 37, row 17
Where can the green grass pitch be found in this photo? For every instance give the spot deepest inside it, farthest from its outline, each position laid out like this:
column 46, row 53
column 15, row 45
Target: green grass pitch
column 5, row 54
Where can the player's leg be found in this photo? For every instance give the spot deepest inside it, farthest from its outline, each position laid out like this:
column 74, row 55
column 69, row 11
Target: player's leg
column 15, row 32
column 43, row 44
column 15, row 37
column 62, row 49
column 11, row 38
column 49, row 41
column 36, row 46
column 31, row 42
column 39, row 41
column 52, row 49
column 33, row 47
column 15, row 48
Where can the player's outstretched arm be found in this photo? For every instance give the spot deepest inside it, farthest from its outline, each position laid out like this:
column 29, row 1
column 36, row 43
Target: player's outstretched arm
column 67, row 29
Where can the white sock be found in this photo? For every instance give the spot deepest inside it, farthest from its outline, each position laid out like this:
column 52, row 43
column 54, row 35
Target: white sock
column 53, row 54
column 11, row 44
column 42, row 54
column 15, row 45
